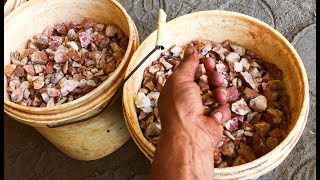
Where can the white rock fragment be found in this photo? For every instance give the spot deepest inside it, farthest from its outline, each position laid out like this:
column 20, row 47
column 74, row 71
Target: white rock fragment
column 60, row 54
column 24, row 85
column 53, row 92
column 72, row 35
column 38, row 68
column 89, row 31
column 235, row 82
column 259, row 103
column 201, row 70
column 73, row 45
column 26, row 93
column 154, row 69
column 50, row 102
column 176, row 50
column 247, row 77
column 225, row 83
column 232, row 57
column 165, row 64
column 203, row 83
column 228, row 134
column 256, row 65
column 38, row 83
column 251, row 115
column 142, row 115
column 220, row 144
column 240, row 107
column 17, row 95
column 221, row 68
column 82, row 83
column 148, row 109
column 154, row 96
column 238, row 49
column 68, row 86
column 56, row 77
column 231, row 124
column 13, row 84
column 239, row 133
column 45, row 97
column 255, row 73
column 238, row 67
column 245, row 63
column 248, row 133
column 141, row 101
column 91, row 83
column 75, row 64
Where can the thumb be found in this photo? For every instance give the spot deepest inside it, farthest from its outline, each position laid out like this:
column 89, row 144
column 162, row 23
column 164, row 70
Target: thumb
column 188, row 66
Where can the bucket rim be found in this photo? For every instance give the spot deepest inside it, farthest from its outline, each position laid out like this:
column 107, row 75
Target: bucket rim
column 102, row 87
column 293, row 135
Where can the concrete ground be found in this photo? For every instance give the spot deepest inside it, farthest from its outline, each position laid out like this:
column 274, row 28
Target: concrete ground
column 29, row 156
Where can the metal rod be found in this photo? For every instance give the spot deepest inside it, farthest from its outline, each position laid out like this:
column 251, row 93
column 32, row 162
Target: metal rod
column 160, row 4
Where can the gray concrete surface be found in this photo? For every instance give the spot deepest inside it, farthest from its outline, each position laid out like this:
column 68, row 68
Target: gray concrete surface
column 29, row 156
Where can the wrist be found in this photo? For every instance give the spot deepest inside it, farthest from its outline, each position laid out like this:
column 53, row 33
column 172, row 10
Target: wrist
column 182, row 156
column 192, row 136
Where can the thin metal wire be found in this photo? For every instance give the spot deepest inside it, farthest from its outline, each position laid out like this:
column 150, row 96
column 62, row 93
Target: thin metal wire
column 160, row 4
column 119, row 89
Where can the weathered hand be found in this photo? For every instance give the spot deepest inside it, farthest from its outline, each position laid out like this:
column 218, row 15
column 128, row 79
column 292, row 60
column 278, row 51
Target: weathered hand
column 188, row 137
column 180, row 105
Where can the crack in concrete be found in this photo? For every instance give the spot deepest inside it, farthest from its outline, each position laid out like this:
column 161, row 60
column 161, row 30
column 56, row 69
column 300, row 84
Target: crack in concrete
column 301, row 32
column 269, row 10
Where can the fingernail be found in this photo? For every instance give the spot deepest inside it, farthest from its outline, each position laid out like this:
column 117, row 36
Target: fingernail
column 218, row 116
column 189, row 50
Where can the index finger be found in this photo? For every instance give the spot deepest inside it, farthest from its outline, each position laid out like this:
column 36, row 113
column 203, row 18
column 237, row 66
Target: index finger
column 188, row 66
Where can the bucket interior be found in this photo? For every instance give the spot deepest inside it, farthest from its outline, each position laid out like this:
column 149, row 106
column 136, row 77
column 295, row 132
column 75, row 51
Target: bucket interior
column 34, row 17
column 219, row 26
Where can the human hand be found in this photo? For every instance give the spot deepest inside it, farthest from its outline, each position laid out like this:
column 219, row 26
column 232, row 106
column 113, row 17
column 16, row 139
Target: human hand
column 188, row 137
column 180, row 106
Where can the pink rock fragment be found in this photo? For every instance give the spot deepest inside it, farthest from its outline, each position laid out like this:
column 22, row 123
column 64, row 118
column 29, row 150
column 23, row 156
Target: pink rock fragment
column 165, row 64
column 232, row 124
column 221, row 51
column 39, row 57
column 53, row 92
column 30, row 69
column 61, row 55
column 17, row 95
column 221, row 67
column 240, row 107
column 85, row 39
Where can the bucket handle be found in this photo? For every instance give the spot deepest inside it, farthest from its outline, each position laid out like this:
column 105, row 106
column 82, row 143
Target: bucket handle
column 119, row 89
